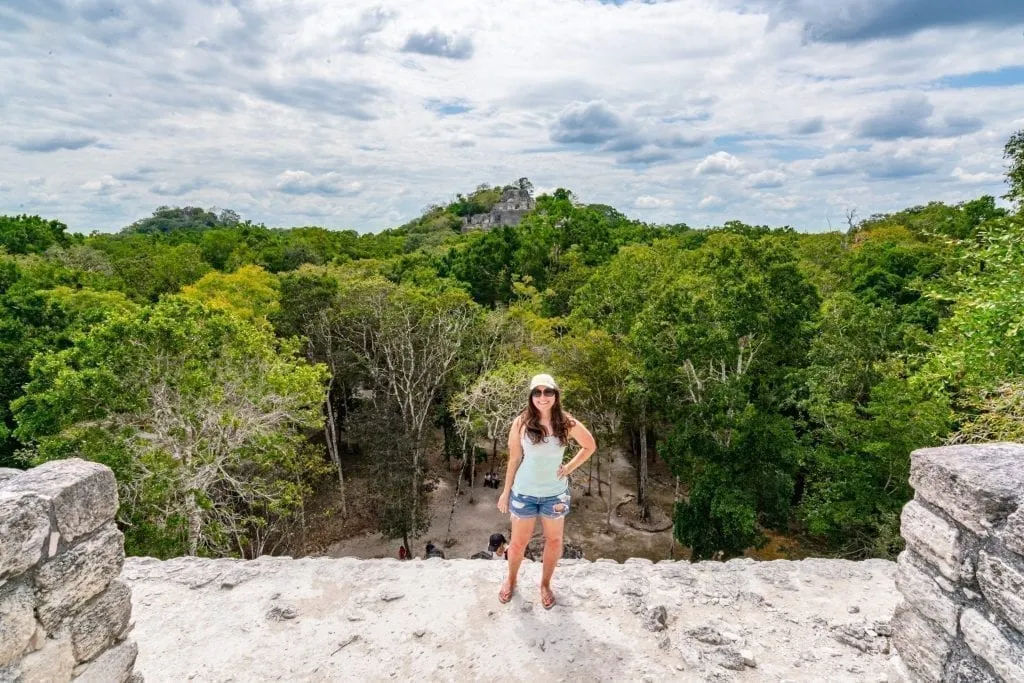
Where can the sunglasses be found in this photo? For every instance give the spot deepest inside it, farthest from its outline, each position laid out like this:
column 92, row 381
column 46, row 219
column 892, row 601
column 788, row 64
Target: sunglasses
column 537, row 393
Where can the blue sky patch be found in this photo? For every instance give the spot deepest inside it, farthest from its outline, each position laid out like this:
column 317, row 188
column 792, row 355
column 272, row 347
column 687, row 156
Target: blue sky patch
column 452, row 107
column 999, row 78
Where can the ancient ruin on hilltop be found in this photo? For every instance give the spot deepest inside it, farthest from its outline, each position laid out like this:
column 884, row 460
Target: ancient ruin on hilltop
column 515, row 202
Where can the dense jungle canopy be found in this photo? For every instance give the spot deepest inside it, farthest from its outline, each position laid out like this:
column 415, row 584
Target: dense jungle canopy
column 227, row 371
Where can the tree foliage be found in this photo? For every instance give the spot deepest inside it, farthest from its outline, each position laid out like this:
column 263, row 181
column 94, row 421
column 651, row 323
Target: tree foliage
column 199, row 413
column 1013, row 154
column 781, row 378
column 31, row 234
column 168, row 219
column 250, row 292
column 719, row 346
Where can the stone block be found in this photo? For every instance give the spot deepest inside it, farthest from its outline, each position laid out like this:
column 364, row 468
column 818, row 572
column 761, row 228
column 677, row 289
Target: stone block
column 24, row 529
column 17, row 621
column 77, row 575
column 923, row 646
column 102, row 621
column 53, row 663
column 6, row 473
column 932, row 538
column 83, row 494
column 113, row 666
column 1003, row 586
column 978, row 485
column 924, row 594
column 995, row 647
column 1012, row 535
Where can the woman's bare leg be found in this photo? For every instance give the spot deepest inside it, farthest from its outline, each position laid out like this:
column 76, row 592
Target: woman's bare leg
column 553, row 529
column 522, row 530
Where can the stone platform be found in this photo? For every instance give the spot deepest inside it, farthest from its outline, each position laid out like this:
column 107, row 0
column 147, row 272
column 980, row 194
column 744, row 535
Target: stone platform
column 319, row 619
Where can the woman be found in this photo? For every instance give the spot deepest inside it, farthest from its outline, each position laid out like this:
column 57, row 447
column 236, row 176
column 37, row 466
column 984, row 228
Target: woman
column 536, row 483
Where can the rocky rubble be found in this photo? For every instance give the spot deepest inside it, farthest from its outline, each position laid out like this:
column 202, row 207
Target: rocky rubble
column 326, row 619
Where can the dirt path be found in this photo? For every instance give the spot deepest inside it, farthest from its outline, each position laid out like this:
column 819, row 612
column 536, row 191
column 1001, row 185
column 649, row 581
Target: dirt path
column 586, row 526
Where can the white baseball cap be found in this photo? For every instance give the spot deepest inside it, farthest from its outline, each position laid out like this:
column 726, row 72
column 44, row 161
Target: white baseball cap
column 543, row 380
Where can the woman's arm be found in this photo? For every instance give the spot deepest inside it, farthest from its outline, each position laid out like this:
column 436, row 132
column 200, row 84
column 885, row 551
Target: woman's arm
column 588, row 445
column 515, row 456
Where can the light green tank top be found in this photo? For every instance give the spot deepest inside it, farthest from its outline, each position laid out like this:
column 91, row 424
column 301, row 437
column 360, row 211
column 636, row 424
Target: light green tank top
column 538, row 472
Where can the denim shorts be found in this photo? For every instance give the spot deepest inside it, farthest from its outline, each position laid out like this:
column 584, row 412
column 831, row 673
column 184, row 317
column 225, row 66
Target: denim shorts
column 549, row 507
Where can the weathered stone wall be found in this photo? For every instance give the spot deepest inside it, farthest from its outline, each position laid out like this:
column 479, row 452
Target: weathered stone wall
column 64, row 614
column 962, row 574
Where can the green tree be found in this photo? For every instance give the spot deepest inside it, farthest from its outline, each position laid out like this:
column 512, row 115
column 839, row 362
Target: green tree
column 484, row 262
column 979, row 350
column 31, row 234
column 42, row 305
column 614, row 298
column 485, row 409
column 200, row 414
column 1013, row 154
column 864, row 415
column 147, row 266
column 168, row 219
column 595, row 369
column 406, row 341
column 720, row 345
column 310, row 310
column 250, row 292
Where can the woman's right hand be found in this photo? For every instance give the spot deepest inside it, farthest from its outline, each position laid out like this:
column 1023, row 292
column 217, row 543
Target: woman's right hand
column 503, row 503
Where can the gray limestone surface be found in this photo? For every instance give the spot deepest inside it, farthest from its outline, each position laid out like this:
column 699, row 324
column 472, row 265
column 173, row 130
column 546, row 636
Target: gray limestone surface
column 320, row 619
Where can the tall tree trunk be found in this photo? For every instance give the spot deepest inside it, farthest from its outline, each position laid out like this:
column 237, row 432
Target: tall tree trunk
column 641, row 489
column 455, row 498
column 611, row 500
column 331, row 435
column 599, row 491
column 672, row 534
column 414, row 506
column 472, row 474
column 195, row 524
column 590, row 476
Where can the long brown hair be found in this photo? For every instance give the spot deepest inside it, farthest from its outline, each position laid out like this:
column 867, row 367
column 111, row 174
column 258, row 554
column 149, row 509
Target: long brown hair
column 561, row 423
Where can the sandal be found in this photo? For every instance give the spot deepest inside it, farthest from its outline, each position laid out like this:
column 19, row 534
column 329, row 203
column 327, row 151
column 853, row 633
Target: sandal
column 547, row 598
column 505, row 595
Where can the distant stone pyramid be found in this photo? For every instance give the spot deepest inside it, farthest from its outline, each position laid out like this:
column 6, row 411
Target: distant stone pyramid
column 514, row 203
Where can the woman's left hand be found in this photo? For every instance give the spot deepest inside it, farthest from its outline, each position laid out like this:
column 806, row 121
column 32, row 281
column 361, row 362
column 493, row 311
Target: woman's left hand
column 563, row 471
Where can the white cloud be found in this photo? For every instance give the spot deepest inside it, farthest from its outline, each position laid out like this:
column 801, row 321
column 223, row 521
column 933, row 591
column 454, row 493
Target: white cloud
column 710, row 201
column 102, row 184
column 980, row 178
column 719, row 163
column 648, row 202
column 836, row 164
column 776, row 203
column 303, row 182
column 766, row 179
column 300, row 113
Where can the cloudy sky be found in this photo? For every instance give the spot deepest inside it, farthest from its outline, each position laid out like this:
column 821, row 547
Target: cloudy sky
column 357, row 115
